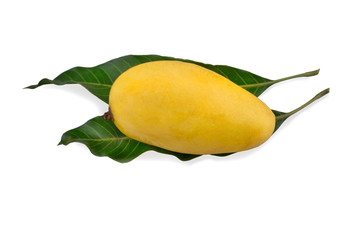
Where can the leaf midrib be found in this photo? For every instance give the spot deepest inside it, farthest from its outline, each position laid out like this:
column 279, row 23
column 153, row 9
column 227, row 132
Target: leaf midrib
column 95, row 84
column 98, row 140
column 243, row 86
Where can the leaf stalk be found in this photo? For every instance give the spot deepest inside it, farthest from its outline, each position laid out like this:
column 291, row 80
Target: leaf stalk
column 306, row 74
column 316, row 97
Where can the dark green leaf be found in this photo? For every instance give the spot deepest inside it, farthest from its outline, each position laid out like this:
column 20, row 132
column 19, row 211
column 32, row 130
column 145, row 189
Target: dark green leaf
column 279, row 119
column 103, row 138
column 99, row 79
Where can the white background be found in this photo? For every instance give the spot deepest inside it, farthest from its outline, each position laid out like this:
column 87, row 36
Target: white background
column 301, row 184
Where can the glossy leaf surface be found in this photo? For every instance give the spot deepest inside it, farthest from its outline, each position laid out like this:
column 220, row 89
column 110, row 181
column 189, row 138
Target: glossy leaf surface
column 104, row 139
column 99, row 79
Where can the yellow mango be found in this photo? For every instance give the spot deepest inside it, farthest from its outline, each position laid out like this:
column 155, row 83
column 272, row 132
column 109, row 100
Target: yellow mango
column 186, row 108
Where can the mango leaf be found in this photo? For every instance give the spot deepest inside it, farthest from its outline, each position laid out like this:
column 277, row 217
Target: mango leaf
column 99, row 79
column 103, row 138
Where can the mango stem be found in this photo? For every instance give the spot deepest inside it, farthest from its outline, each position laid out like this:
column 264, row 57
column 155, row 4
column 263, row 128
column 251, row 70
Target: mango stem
column 108, row 115
column 317, row 96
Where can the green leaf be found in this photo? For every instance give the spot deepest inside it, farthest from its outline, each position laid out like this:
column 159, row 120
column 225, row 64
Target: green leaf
column 99, row 79
column 103, row 138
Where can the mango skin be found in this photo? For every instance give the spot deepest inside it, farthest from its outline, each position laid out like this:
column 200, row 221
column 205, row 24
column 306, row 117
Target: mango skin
column 186, row 108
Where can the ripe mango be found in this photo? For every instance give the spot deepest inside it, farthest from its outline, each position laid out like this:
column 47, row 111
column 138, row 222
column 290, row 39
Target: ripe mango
column 186, row 108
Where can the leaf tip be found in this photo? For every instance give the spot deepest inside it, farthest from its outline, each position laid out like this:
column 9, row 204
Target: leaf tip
column 30, row 87
column 41, row 82
column 64, row 140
